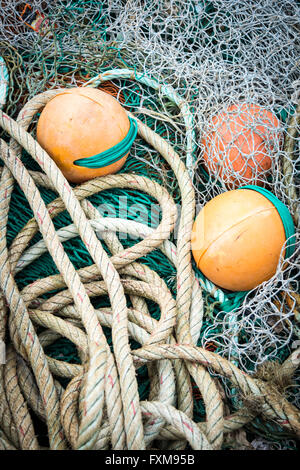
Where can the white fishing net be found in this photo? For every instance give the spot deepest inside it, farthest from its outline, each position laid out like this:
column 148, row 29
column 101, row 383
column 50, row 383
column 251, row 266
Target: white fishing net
column 227, row 59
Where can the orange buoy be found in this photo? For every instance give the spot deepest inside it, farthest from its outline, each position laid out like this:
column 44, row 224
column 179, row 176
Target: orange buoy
column 80, row 123
column 239, row 142
column 237, row 239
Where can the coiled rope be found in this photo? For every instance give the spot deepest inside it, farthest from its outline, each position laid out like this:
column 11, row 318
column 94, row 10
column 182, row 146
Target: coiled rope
column 100, row 407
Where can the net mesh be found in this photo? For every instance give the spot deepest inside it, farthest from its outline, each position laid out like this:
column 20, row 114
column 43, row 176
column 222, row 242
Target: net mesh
column 236, row 65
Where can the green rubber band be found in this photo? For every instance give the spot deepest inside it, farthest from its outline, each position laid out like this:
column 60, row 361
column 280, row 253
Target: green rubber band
column 112, row 155
column 285, row 216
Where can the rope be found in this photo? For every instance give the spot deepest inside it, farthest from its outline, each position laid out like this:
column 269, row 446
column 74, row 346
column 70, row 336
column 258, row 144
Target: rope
column 100, row 406
column 289, row 147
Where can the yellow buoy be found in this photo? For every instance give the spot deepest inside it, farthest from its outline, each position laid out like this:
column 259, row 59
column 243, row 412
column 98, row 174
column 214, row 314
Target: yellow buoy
column 237, row 239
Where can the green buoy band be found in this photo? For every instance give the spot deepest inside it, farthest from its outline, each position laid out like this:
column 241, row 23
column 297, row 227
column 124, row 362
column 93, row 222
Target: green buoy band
column 285, row 216
column 114, row 154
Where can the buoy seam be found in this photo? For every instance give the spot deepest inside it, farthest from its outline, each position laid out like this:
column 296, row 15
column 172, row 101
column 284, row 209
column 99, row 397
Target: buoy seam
column 231, row 227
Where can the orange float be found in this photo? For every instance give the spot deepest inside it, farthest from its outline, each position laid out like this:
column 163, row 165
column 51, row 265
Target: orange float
column 80, row 123
column 238, row 144
column 237, row 239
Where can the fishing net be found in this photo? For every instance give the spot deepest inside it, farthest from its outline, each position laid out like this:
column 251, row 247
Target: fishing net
column 184, row 69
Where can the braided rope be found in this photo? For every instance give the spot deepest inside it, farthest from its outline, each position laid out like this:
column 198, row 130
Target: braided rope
column 100, row 407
